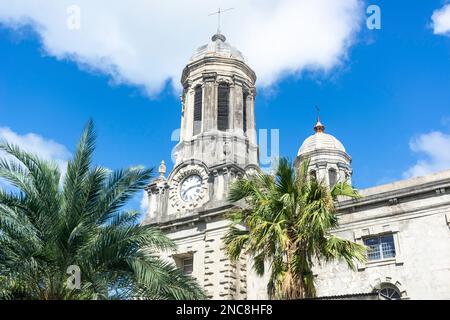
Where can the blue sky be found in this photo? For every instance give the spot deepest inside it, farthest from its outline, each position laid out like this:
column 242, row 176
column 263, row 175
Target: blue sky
column 387, row 98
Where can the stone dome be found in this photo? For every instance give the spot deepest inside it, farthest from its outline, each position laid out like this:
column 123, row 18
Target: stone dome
column 218, row 46
column 320, row 141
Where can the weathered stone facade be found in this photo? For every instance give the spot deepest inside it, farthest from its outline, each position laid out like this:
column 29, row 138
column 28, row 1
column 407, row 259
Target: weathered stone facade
column 190, row 204
column 417, row 213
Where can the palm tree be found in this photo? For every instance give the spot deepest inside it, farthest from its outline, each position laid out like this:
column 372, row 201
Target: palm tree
column 288, row 219
column 49, row 224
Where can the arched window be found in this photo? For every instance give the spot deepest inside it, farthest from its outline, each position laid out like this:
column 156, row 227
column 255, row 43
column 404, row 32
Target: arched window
column 223, row 107
column 244, row 112
column 332, row 177
column 388, row 291
column 198, row 104
column 313, row 175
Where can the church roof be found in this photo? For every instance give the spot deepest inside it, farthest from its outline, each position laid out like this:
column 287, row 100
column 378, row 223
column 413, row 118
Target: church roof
column 320, row 141
column 218, row 46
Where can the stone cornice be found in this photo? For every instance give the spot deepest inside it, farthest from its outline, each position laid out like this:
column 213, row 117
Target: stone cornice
column 218, row 61
column 321, row 152
column 158, row 183
column 203, row 215
column 395, row 196
column 209, row 76
column 394, row 216
column 216, row 134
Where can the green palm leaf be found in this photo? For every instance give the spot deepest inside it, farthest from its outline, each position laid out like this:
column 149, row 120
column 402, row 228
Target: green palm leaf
column 286, row 226
column 46, row 226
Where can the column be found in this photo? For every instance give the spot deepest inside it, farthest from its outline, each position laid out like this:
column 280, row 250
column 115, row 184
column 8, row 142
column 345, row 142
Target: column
column 238, row 121
column 232, row 107
column 209, row 101
column 251, row 125
column 188, row 115
column 183, row 114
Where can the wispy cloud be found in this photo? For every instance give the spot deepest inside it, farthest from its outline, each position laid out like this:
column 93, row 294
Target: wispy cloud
column 45, row 148
column 433, row 150
column 144, row 202
column 146, row 43
column 441, row 20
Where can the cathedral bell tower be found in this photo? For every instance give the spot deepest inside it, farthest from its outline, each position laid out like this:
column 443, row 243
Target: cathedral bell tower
column 218, row 122
column 217, row 145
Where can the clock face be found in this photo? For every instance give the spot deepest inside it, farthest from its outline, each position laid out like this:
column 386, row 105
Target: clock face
column 190, row 188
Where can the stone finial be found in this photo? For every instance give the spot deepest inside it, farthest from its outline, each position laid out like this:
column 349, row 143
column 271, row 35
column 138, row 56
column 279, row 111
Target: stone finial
column 319, row 127
column 162, row 169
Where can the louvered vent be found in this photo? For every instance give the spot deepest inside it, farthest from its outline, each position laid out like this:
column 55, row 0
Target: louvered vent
column 198, row 101
column 223, row 107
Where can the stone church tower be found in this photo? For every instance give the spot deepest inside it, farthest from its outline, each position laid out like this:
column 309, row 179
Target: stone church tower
column 217, row 145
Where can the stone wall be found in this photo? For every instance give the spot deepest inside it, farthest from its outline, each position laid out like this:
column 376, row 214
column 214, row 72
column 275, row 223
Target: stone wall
column 421, row 269
column 221, row 279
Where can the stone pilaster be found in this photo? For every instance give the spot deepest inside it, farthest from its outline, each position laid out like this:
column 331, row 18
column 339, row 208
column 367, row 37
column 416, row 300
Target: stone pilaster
column 209, row 267
column 241, row 275
column 188, row 115
column 233, row 276
column 209, row 101
column 238, row 122
column 251, row 123
column 158, row 194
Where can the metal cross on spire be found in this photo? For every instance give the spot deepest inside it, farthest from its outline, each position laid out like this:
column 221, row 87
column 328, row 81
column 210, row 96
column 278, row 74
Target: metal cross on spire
column 219, row 15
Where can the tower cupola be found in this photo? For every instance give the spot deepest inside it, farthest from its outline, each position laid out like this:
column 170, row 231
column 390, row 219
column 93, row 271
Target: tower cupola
column 329, row 161
column 218, row 119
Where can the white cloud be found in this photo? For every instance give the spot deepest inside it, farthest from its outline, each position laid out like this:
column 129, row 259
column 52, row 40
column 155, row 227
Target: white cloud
column 31, row 142
column 146, row 43
column 435, row 147
column 441, row 20
column 144, row 202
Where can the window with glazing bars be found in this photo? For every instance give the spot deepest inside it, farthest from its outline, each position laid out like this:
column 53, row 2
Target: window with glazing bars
column 380, row 248
column 198, row 102
column 223, row 107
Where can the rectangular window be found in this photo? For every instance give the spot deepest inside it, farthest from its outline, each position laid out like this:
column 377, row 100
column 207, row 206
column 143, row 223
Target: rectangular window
column 332, row 177
column 198, row 104
column 188, row 265
column 222, row 107
column 380, row 248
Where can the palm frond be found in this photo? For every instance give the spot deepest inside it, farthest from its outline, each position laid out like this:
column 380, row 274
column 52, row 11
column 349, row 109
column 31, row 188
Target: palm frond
column 44, row 229
column 288, row 221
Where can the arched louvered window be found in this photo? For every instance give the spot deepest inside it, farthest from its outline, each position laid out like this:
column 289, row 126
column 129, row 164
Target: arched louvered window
column 244, row 112
column 223, row 107
column 198, row 103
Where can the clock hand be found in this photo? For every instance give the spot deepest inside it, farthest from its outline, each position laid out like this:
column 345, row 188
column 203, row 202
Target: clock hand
column 197, row 186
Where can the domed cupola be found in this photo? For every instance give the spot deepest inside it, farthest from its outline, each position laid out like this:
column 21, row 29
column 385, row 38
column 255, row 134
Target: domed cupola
column 219, row 47
column 328, row 158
